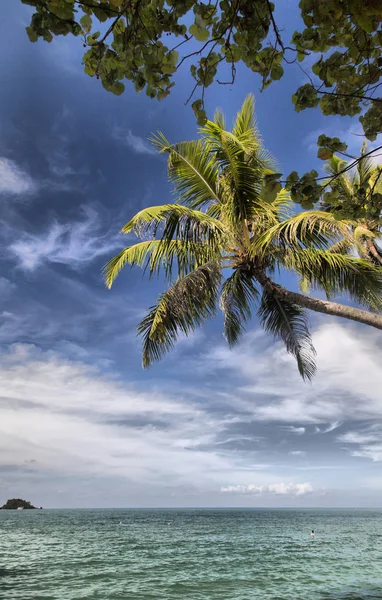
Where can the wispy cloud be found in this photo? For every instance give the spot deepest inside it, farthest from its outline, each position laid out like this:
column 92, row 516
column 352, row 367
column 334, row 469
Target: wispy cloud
column 74, row 244
column 67, row 169
column 135, row 142
column 347, row 385
column 368, row 442
column 279, row 489
column 71, row 418
column 292, row 429
column 329, row 428
column 14, row 180
column 297, row 453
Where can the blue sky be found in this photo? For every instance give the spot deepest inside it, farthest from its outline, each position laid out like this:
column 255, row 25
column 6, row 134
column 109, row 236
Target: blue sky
column 81, row 424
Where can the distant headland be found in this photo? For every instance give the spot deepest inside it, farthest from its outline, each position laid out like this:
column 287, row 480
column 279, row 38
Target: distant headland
column 17, row 504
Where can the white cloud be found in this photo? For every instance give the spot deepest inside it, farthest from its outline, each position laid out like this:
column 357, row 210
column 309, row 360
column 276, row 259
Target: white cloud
column 14, row 180
column 346, row 387
column 278, row 489
column 368, row 440
column 136, row 143
column 355, row 437
column 74, row 244
column 71, row 419
column 292, row 429
column 373, row 452
column 329, row 428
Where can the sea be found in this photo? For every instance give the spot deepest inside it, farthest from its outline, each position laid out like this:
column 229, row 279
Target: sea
column 229, row 554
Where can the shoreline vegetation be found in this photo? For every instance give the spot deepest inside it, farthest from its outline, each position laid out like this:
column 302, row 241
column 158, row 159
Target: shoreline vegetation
column 18, row 504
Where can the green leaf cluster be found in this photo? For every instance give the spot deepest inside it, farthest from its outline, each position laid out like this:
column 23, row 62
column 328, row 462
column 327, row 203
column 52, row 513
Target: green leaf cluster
column 356, row 194
column 143, row 37
column 328, row 146
column 304, row 190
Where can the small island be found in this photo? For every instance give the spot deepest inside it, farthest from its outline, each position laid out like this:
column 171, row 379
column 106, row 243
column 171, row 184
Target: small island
column 17, row 504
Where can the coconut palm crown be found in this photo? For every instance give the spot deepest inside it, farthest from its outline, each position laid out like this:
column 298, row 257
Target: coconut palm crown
column 222, row 242
column 356, row 194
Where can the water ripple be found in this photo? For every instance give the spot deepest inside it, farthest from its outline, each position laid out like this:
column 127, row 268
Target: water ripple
column 206, row 555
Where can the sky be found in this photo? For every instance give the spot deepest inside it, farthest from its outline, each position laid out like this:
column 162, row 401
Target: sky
column 81, row 423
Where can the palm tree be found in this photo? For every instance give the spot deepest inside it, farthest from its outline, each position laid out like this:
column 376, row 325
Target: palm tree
column 232, row 217
column 357, row 196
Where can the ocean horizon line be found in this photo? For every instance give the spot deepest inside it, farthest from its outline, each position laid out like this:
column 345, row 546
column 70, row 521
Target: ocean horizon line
column 215, row 508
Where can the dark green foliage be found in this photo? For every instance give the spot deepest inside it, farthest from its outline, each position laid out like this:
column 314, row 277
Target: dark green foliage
column 289, row 323
column 354, row 193
column 146, row 42
column 15, row 503
column 238, row 294
column 182, row 308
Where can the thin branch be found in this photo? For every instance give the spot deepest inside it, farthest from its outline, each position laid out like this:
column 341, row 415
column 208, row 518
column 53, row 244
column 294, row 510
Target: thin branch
column 120, row 14
column 192, row 93
column 275, row 28
column 375, row 183
column 197, row 51
column 348, row 95
column 232, row 23
column 348, row 167
column 188, row 38
column 233, row 72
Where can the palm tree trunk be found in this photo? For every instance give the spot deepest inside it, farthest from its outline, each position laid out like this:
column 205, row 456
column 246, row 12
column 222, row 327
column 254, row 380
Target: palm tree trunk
column 373, row 251
column 320, row 306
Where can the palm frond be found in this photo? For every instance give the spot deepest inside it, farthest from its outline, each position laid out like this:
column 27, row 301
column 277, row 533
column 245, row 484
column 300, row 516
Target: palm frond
column 375, row 180
column 219, row 118
column 244, row 133
column 304, row 230
column 155, row 255
column 247, row 133
column 288, row 322
column 361, row 234
column 192, row 170
column 245, row 120
column 338, row 274
column 271, row 214
column 176, row 221
column 238, row 293
column 303, row 285
column 339, row 181
column 213, row 133
column 245, row 127
column 365, row 167
column 334, row 165
column 242, row 162
column 180, row 309
column 343, row 246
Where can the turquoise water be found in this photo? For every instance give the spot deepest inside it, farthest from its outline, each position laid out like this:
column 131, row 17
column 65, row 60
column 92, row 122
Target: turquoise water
column 203, row 555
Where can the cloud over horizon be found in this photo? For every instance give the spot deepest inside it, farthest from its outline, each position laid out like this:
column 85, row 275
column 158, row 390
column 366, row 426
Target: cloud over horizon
column 74, row 419
column 279, row 489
